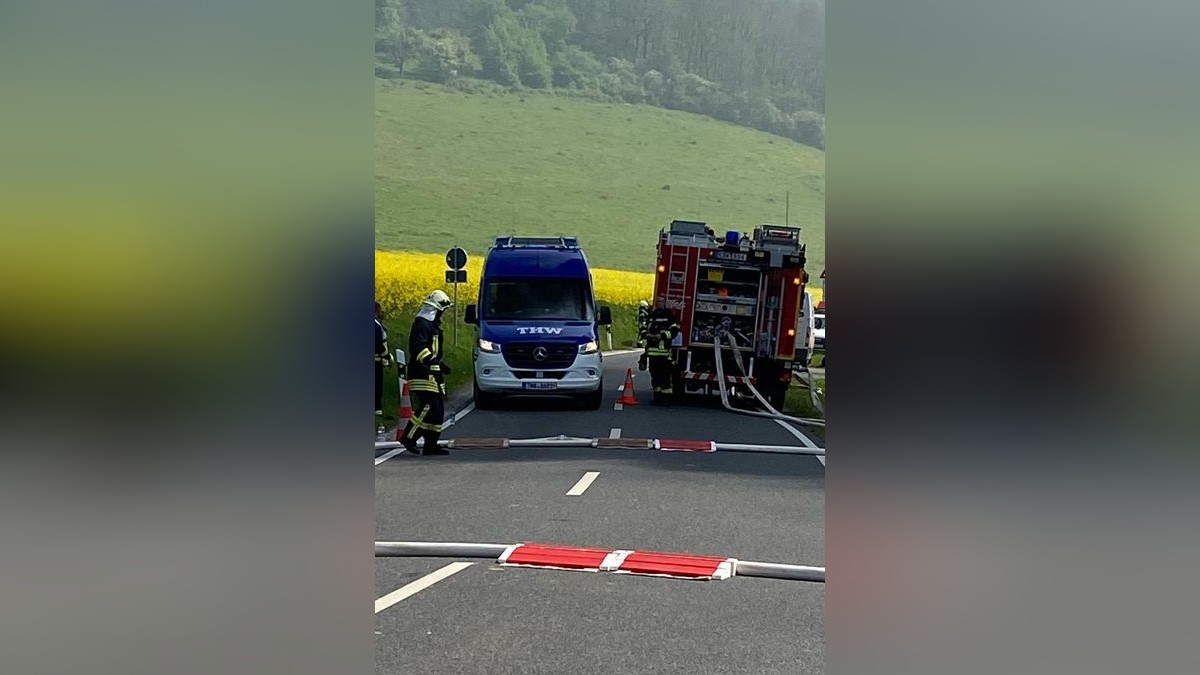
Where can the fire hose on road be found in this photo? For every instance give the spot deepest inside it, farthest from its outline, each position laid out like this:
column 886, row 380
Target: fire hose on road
column 665, row 444
column 675, row 565
column 772, row 412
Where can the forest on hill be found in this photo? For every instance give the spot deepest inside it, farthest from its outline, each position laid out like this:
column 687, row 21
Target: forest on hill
column 756, row 63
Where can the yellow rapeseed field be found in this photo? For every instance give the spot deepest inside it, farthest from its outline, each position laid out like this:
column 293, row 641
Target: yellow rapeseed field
column 403, row 278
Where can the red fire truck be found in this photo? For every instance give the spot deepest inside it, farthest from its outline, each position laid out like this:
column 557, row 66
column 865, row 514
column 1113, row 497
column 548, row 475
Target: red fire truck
column 737, row 290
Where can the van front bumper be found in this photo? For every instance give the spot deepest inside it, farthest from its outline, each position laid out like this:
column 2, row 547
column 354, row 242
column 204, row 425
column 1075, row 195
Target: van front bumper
column 494, row 375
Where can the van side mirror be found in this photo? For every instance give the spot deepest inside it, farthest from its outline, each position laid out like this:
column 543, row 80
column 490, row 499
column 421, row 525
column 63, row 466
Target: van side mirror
column 472, row 315
column 605, row 316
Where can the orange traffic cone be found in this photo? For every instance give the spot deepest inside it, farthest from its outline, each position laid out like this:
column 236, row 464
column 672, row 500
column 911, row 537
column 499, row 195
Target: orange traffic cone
column 627, row 397
column 405, row 412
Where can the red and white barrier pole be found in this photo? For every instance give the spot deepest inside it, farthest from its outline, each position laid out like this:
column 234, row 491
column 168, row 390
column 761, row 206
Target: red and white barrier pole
column 619, row 561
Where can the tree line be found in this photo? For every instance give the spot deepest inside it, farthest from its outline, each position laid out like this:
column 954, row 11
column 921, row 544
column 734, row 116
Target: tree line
column 758, row 63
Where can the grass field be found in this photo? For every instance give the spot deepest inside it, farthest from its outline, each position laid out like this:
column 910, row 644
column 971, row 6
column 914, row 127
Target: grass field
column 797, row 402
column 459, row 169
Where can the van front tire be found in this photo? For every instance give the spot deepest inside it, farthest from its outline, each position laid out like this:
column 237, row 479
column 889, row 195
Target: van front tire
column 594, row 400
column 484, row 400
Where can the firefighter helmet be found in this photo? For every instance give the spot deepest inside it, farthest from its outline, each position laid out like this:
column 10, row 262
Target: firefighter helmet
column 439, row 300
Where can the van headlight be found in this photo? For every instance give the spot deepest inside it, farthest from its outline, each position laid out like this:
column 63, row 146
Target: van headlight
column 589, row 347
column 489, row 346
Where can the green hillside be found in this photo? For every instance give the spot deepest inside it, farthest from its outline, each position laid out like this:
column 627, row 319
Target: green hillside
column 459, row 169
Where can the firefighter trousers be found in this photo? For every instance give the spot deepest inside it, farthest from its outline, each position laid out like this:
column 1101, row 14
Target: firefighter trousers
column 378, row 387
column 428, row 414
column 661, row 378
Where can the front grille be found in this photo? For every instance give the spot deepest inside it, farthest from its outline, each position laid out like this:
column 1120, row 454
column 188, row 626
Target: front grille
column 533, row 374
column 520, row 355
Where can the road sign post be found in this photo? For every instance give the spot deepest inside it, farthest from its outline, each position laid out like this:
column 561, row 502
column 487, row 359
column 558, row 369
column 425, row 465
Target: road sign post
column 456, row 260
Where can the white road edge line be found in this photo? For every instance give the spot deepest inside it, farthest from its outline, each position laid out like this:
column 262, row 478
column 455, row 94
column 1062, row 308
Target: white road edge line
column 615, row 432
column 804, row 439
column 458, row 416
column 618, row 352
column 583, row 484
column 461, row 414
column 388, row 455
column 412, row 588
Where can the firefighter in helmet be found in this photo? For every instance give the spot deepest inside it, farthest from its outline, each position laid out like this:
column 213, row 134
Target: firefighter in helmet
column 427, row 376
column 660, row 332
column 382, row 358
column 643, row 316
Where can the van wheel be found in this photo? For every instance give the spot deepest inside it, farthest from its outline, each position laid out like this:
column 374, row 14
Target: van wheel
column 484, row 400
column 594, row 400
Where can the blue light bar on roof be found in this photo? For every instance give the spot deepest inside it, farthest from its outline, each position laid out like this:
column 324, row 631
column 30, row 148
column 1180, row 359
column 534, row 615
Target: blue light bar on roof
column 537, row 242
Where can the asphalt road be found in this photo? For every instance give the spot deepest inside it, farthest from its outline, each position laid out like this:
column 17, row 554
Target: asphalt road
column 490, row 619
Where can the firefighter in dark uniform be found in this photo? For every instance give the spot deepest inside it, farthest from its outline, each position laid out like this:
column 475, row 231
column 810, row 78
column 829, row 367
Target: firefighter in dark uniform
column 659, row 334
column 426, row 373
column 382, row 358
column 643, row 317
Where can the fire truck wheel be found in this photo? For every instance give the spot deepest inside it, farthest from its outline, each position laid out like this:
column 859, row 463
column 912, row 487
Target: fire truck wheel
column 777, row 398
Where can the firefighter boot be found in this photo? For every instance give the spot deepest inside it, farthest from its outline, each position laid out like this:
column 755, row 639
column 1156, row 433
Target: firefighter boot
column 431, row 444
column 409, row 439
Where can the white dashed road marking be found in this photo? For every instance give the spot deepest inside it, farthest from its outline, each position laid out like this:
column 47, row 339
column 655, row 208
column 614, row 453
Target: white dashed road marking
column 615, row 433
column 411, row 589
column 583, row 484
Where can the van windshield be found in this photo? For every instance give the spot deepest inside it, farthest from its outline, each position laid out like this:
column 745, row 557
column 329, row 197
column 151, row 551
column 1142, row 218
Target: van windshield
column 543, row 298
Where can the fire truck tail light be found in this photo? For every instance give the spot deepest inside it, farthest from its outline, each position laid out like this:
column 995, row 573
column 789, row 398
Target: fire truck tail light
column 662, row 268
column 791, row 332
column 796, row 281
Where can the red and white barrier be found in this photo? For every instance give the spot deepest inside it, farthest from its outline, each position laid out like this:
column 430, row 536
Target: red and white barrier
column 712, row 377
column 644, row 563
column 554, row 557
column 680, row 445
column 620, row 561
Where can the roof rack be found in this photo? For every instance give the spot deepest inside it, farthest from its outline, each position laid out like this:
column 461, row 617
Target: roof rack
column 778, row 236
column 537, row 242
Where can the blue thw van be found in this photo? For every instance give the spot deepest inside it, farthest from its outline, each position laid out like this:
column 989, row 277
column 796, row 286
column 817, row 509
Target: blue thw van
column 538, row 323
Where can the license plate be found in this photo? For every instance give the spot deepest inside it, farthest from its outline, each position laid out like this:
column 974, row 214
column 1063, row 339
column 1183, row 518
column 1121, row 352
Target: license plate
column 539, row 385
